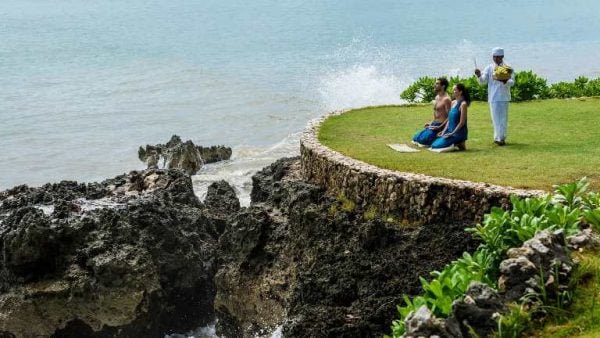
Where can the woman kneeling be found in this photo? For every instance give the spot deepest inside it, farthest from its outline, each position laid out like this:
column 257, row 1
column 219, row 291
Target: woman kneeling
column 456, row 132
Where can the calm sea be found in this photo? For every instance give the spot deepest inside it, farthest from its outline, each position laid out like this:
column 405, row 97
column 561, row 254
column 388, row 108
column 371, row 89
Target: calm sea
column 84, row 83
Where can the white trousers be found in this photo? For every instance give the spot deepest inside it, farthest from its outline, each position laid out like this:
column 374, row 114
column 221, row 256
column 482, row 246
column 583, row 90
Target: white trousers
column 499, row 112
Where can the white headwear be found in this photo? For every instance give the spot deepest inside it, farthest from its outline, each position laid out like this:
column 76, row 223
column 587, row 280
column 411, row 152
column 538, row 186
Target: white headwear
column 497, row 51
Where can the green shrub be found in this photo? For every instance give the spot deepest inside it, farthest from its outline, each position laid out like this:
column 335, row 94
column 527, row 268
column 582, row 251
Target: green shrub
column 447, row 286
column 420, row 91
column 563, row 90
column 500, row 231
column 423, row 89
column 529, row 86
column 477, row 91
column 592, row 88
column 513, row 323
column 581, row 82
column 581, row 86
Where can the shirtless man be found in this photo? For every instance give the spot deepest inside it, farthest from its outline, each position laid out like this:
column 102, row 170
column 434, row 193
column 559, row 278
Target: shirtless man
column 441, row 106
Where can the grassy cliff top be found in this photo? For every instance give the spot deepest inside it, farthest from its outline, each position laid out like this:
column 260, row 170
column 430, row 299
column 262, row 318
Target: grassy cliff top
column 549, row 142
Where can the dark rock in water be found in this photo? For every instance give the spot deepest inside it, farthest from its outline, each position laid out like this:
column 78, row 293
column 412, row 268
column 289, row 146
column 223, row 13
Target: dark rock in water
column 133, row 256
column 304, row 259
column 214, row 153
column 182, row 155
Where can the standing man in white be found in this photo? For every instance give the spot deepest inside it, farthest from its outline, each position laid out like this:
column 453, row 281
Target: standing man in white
column 498, row 94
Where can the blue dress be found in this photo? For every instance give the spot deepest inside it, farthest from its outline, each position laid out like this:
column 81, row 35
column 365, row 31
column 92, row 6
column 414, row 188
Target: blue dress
column 459, row 136
column 427, row 136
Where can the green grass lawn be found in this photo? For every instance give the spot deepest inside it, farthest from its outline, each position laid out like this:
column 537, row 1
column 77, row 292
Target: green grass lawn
column 549, row 142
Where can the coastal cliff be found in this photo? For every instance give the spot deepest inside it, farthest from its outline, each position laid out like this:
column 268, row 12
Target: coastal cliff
column 302, row 258
column 140, row 255
column 132, row 256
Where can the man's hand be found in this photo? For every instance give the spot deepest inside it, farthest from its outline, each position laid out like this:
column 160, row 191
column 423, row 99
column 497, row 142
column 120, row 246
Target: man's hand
column 477, row 72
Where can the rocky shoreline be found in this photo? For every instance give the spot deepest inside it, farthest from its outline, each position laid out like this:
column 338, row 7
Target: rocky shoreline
column 140, row 255
column 131, row 256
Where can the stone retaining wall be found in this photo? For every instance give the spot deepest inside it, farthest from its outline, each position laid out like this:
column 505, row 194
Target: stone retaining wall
column 412, row 198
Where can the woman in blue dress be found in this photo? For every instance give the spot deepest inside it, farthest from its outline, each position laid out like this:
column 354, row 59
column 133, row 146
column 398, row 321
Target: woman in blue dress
column 456, row 132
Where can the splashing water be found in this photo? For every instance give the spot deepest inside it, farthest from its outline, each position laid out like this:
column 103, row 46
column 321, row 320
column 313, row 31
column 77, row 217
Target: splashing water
column 209, row 331
column 244, row 163
column 360, row 86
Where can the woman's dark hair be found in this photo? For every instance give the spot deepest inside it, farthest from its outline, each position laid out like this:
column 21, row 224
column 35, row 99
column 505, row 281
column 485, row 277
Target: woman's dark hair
column 443, row 82
column 465, row 93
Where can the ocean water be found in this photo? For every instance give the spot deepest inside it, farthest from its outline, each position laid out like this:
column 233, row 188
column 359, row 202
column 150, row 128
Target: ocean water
column 84, row 83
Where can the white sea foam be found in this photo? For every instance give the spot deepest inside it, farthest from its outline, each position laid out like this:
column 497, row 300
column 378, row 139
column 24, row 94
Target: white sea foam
column 209, row 331
column 47, row 209
column 84, row 205
column 360, row 86
column 244, row 163
column 102, row 203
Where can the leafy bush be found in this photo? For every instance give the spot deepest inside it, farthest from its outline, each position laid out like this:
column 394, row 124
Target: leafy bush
column 420, row 91
column 513, row 323
column 446, row 286
column 592, row 88
column 581, row 82
column 577, row 88
column 563, row 90
column 529, row 86
column 477, row 91
column 423, row 89
column 500, row 231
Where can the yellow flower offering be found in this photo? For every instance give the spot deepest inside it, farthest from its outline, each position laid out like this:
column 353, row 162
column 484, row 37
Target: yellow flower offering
column 503, row 72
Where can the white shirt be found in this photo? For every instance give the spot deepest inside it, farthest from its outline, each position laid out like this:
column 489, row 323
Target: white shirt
column 497, row 91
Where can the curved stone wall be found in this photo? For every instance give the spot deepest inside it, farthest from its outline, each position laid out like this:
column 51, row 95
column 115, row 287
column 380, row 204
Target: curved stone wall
column 411, row 198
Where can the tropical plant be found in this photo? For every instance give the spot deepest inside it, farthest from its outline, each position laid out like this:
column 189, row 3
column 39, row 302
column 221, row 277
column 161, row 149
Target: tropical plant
column 592, row 88
column 500, row 231
column 529, row 86
column 571, row 194
column 564, row 90
column 420, row 91
column 478, row 92
column 593, row 218
column 513, row 323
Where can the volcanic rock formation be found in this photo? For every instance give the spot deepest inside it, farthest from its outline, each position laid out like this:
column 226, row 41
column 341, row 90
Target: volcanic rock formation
column 132, row 256
column 182, row 155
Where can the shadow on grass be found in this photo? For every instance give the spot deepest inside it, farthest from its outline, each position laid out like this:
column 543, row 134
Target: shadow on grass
column 479, row 149
column 516, row 145
column 508, row 145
